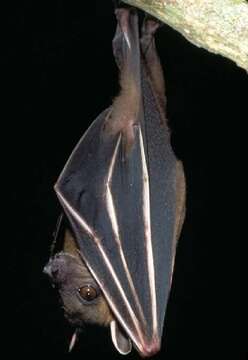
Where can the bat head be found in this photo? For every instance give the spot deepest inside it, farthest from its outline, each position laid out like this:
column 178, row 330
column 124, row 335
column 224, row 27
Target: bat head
column 82, row 299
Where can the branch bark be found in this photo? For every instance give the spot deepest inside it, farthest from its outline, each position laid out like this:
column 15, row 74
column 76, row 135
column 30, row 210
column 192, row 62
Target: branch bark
column 220, row 26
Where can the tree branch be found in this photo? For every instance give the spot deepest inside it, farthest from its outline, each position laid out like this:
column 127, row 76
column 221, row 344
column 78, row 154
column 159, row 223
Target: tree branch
column 220, row 26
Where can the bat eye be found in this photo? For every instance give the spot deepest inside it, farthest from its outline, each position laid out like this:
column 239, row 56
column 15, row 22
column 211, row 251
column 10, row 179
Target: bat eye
column 88, row 292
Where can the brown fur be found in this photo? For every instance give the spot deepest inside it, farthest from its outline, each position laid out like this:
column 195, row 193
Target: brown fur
column 69, row 273
column 180, row 185
column 97, row 312
column 153, row 65
column 124, row 112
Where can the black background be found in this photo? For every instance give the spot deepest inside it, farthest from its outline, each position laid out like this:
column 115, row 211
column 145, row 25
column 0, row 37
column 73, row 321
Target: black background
column 60, row 74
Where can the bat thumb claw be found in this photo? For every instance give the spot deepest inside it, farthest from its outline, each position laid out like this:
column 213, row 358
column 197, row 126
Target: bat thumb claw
column 120, row 340
column 73, row 341
column 127, row 39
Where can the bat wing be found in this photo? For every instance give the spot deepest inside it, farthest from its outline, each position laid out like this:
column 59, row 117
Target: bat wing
column 122, row 206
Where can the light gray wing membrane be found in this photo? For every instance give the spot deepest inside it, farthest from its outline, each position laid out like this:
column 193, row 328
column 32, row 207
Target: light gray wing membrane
column 127, row 191
column 162, row 164
column 115, row 255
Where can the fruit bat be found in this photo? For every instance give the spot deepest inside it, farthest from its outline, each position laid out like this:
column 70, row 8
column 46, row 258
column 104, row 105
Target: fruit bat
column 123, row 197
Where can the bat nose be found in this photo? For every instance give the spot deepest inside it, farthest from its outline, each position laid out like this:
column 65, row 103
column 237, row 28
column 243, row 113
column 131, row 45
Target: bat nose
column 151, row 348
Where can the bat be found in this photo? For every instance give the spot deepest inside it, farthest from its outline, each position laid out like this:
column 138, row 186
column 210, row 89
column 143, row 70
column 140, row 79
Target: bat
column 123, row 197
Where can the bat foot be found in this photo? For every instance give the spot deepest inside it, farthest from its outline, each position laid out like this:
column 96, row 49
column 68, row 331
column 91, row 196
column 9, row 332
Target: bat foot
column 120, row 4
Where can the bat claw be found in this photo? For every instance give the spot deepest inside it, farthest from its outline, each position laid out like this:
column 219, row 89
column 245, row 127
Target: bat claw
column 73, row 340
column 127, row 39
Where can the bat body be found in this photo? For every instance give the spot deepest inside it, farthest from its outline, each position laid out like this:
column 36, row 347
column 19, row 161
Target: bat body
column 123, row 192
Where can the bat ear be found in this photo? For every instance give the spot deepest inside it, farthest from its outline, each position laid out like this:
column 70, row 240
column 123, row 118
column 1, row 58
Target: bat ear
column 120, row 340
